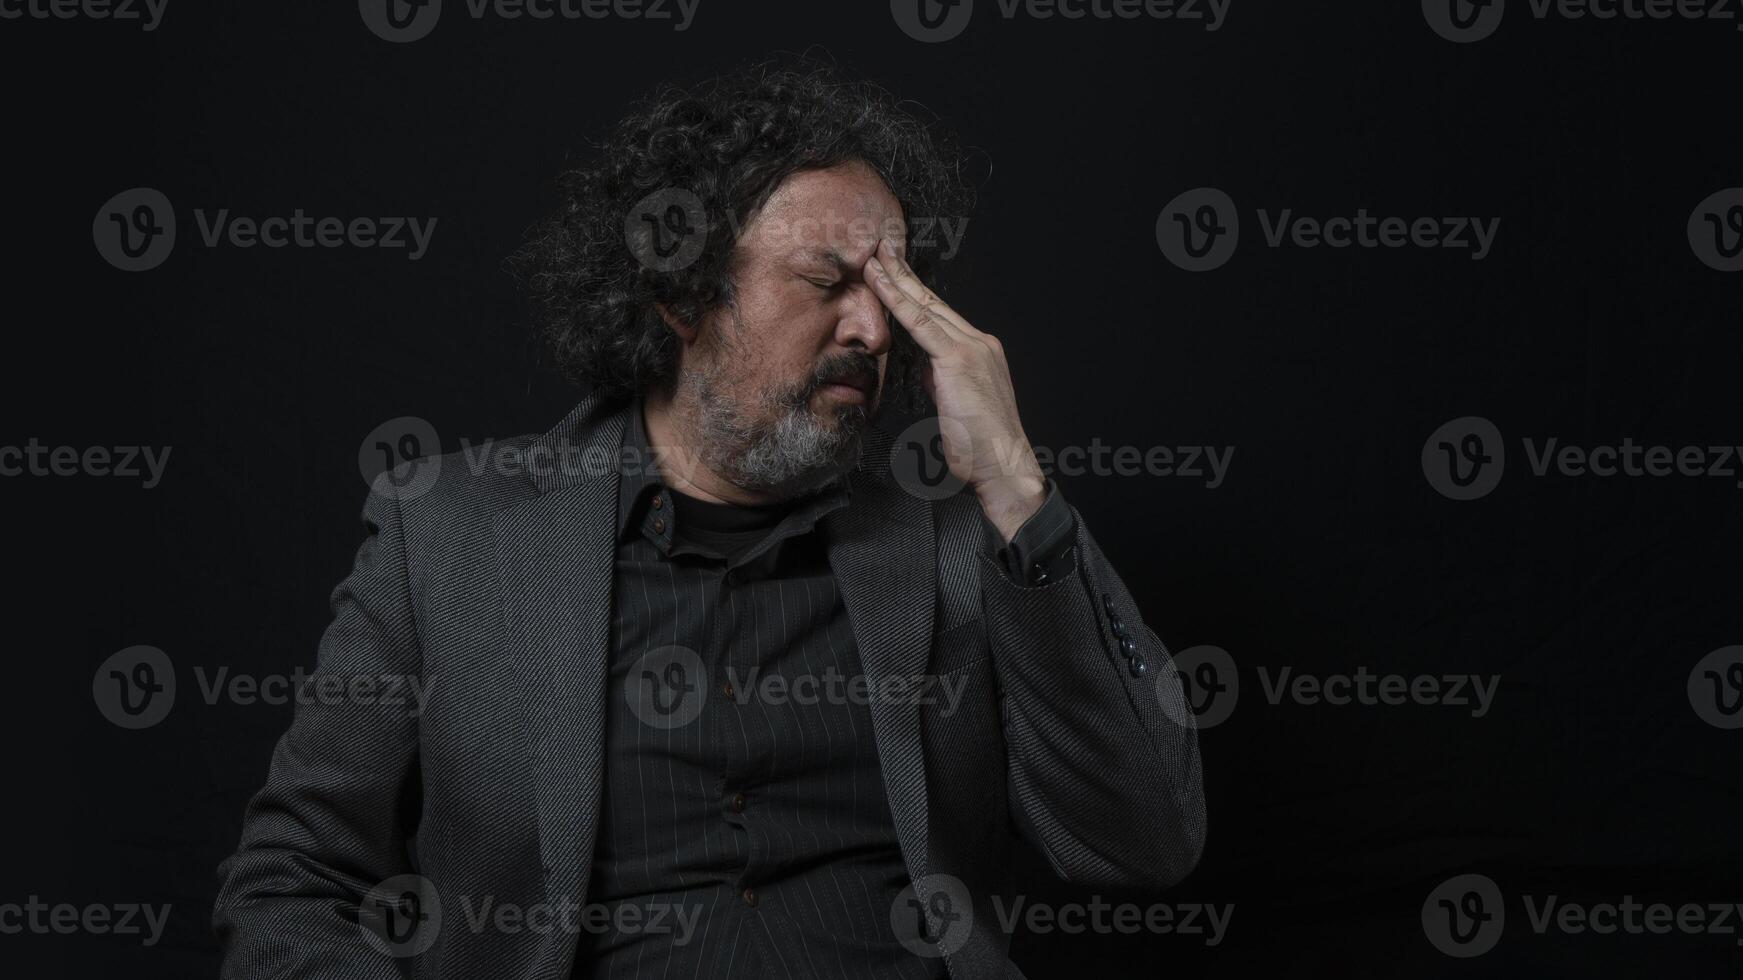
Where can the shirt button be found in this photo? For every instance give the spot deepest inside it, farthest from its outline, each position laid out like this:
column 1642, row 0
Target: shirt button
column 750, row 896
column 659, row 526
column 728, row 690
column 732, row 577
column 659, row 502
column 738, row 803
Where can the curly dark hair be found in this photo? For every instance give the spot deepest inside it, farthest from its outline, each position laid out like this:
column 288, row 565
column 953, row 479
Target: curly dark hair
column 729, row 141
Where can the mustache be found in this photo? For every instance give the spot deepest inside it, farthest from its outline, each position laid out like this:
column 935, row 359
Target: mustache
column 849, row 367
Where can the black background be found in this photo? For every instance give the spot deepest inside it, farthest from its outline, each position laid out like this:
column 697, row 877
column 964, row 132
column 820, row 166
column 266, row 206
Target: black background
column 1326, row 549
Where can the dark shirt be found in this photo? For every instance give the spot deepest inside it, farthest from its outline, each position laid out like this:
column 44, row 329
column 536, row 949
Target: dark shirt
column 743, row 806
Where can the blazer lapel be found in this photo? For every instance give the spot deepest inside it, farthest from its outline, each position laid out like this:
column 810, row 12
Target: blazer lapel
column 554, row 558
column 885, row 558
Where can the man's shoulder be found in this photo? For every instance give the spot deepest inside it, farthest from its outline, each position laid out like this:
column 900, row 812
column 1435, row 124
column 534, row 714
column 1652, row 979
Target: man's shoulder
column 494, row 474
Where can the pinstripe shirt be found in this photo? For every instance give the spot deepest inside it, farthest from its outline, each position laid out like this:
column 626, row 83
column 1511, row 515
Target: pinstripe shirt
column 744, row 827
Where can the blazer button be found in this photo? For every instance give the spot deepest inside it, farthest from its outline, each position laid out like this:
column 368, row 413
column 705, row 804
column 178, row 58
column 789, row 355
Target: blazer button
column 1119, row 627
column 738, row 803
column 1137, row 667
column 750, row 896
column 1129, row 647
column 1107, row 603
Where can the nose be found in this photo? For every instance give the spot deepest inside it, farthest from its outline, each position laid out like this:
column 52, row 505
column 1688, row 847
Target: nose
column 864, row 324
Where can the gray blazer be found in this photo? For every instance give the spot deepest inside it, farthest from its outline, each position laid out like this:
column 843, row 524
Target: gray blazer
column 493, row 588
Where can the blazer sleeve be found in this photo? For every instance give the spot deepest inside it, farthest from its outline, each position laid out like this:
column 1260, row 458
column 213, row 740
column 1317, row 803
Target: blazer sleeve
column 335, row 815
column 1102, row 750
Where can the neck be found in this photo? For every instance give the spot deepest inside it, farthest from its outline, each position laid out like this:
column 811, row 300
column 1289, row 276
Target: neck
column 677, row 453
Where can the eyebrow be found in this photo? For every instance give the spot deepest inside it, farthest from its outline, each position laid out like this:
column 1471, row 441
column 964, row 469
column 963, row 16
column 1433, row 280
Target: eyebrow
column 832, row 257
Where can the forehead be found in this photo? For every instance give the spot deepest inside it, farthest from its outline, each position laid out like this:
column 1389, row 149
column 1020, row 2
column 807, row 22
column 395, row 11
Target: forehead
column 845, row 209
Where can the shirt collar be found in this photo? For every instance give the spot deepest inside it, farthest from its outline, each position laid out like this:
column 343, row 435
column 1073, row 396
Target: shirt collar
column 638, row 478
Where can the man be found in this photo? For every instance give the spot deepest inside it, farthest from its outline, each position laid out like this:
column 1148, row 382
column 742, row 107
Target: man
column 722, row 680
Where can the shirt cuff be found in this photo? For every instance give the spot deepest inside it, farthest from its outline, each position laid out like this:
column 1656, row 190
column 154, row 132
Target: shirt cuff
column 1041, row 550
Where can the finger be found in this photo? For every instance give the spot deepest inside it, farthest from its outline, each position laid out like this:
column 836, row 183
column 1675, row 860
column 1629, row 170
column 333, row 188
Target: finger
column 931, row 331
column 904, row 278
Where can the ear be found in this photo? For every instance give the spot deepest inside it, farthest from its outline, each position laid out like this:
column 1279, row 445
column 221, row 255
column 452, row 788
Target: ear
column 686, row 331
